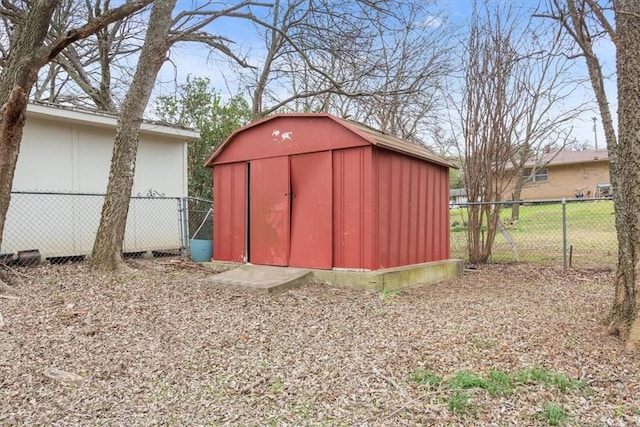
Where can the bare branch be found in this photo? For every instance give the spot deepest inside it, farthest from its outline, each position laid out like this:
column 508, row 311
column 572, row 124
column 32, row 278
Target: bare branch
column 50, row 52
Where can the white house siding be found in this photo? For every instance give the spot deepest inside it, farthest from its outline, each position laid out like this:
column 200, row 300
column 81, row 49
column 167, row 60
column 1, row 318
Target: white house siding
column 68, row 151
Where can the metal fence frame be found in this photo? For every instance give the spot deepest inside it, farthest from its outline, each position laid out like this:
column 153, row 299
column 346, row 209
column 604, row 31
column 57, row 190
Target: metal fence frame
column 59, row 215
column 61, row 226
column 568, row 236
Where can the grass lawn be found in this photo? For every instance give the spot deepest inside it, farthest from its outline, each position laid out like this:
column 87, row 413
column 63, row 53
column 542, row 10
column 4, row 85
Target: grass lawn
column 163, row 344
column 538, row 233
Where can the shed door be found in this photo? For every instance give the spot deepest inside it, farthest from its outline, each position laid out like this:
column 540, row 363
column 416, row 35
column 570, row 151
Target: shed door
column 311, row 211
column 269, row 211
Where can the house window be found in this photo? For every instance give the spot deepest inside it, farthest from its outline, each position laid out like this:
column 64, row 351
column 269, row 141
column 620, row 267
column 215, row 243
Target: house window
column 540, row 175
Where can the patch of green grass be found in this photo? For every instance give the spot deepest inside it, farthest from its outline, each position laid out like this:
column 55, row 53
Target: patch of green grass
column 458, row 402
column 547, row 378
column 554, row 414
column 387, row 295
column 426, row 377
column 538, row 232
column 466, row 380
column 499, row 383
column 277, row 387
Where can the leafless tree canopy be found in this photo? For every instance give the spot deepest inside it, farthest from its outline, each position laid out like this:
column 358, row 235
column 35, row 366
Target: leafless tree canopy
column 514, row 104
column 94, row 71
column 382, row 65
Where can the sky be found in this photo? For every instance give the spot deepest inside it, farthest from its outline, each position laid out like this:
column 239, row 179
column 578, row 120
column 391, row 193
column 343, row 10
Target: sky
column 194, row 60
column 458, row 11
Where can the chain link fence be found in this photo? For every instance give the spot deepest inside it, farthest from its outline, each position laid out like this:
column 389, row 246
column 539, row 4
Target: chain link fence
column 577, row 233
column 200, row 218
column 61, row 227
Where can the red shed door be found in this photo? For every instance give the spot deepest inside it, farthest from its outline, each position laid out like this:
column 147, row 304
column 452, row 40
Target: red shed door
column 269, row 211
column 229, row 209
column 311, row 211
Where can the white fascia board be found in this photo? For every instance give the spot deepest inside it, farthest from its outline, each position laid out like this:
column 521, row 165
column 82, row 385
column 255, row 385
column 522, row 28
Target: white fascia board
column 95, row 119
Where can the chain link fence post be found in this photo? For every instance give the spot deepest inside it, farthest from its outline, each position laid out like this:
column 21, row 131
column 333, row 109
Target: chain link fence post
column 184, row 227
column 564, row 233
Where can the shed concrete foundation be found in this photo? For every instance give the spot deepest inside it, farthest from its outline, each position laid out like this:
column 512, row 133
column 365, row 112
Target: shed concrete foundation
column 269, row 279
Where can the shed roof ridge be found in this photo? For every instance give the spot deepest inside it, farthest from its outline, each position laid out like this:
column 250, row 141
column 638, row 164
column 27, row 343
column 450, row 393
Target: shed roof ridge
column 364, row 131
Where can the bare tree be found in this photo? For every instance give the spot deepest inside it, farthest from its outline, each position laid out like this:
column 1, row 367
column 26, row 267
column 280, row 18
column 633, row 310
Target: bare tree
column 546, row 86
column 586, row 21
column 163, row 32
column 516, row 82
column 91, row 72
column 303, row 37
column 410, row 58
column 26, row 52
column 86, row 73
column 486, row 112
column 380, row 64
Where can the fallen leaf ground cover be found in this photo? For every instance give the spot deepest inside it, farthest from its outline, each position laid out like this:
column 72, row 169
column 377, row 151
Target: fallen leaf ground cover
column 162, row 344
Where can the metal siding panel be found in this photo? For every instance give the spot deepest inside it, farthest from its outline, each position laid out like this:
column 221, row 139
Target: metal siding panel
column 412, row 202
column 412, row 197
column 239, row 214
column 384, row 209
column 431, row 216
column 445, row 207
column 422, row 214
column 269, row 211
column 229, row 212
column 437, row 217
column 352, row 208
column 338, row 196
column 221, row 215
column 395, row 227
column 350, row 201
column 311, row 212
column 442, row 226
column 414, row 211
column 369, row 231
column 394, row 209
column 443, row 201
column 405, row 211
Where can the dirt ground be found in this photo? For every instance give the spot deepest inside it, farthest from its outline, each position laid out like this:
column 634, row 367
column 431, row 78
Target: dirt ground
column 162, row 345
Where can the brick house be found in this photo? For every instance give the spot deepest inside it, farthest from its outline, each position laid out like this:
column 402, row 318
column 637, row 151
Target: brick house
column 568, row 174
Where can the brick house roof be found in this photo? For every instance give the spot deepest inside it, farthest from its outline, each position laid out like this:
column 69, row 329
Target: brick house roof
column 565, row 157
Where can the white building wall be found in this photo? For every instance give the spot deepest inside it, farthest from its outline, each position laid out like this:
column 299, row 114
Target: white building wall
column 70, row 152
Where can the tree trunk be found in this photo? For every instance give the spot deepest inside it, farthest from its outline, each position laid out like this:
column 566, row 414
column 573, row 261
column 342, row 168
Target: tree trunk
column 623, row 318
column 12, row 117
column 517, row 193
column 19, row 74
column 107, row 249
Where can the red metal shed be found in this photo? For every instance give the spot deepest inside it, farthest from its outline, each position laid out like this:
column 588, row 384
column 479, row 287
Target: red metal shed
column 316, row 191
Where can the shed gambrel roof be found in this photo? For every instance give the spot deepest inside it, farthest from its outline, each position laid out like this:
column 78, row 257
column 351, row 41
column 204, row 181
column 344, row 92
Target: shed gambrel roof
column 396, row 144
column 367, row 133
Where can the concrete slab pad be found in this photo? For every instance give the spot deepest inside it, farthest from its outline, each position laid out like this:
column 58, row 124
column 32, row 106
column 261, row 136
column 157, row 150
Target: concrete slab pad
column 262, row 278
